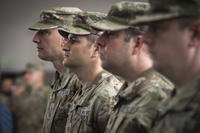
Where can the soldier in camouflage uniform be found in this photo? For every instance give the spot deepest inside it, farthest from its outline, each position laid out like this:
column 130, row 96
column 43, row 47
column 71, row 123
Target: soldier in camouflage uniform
column 137, row 101
column 91, row 104
column 174, row 40
column 29, row 107
column 49, row 44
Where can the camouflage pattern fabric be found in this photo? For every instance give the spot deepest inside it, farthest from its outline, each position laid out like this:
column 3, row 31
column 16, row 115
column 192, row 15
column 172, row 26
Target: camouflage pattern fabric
column 29, row 109
column 91, row 105
column 168, row 9
column 137, row 103
column 63, row 89
column 120, row 15
column 55, row 17
column 182, row 113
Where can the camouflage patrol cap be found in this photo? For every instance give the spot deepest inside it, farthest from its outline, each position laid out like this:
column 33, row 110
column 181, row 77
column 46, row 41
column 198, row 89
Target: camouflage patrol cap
column 167, row 9
column 55, row 17
column 120, row 15
column 31, row 67
column 81, row 24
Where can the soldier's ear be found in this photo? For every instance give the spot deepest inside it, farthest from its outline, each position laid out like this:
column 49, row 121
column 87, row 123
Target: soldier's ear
column 95, row 49
column 138, row 40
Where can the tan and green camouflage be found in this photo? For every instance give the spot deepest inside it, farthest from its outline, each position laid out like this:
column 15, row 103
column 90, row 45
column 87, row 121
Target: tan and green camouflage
column 63, row 89
column 55, row 17
column 81, row 24
column 31, row 67
column 167, row 9
column 120, row 16
column 182, row 113
column 29, row 109
column 91, row 105
column 136, row 105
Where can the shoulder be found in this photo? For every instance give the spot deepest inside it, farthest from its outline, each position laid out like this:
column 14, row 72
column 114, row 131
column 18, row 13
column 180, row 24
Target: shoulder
column 154, row 84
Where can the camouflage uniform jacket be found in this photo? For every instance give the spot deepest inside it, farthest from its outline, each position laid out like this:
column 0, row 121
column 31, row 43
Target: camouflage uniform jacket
column 29, row 110
column 182, row 113
column 89, row 112
column 63, row 89
column 136, row 105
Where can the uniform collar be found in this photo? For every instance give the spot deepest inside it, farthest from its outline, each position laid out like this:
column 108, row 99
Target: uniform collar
column 137, row 87
column 63, row 78
column 182, row 100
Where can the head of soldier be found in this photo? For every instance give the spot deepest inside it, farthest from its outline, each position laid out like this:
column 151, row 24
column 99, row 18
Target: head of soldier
column 173, row 37
column 121, row 45
column 80, row 45
column 34, row 75
column 47, row 38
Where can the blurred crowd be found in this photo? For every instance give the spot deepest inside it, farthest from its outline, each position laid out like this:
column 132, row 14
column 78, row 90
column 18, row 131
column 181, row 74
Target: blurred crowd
column 23, row 100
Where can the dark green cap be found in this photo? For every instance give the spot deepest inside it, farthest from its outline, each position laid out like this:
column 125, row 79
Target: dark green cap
column 120, row 15
column 168, row 9
column 55, row 17
column 81, row 24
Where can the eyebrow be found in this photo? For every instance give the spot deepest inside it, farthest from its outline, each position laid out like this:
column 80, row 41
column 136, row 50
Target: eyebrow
column 71, row 36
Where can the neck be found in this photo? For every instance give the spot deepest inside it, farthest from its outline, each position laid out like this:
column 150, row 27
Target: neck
column 58, row 65
column 88, row 74
column 38, row 85
column 136, row 67
column 131, row 74
column 187, row 78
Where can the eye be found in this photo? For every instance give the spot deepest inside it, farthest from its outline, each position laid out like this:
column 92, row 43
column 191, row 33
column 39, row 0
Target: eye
column 157, row 27
column 73, row 39
column 44, row 32
column 111, row 34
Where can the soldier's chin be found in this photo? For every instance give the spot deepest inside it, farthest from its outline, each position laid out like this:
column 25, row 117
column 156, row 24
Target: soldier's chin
column 43, row 57
column 65, row 63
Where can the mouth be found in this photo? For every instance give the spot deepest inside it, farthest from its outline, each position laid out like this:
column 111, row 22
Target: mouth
column 39, row 48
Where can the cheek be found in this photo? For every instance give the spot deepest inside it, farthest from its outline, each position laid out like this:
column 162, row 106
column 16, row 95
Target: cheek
column 55, row 48
column 77, row 52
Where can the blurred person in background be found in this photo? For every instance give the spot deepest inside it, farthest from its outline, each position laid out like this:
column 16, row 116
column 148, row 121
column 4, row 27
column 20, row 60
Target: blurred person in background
column 18, row 88
column 29, row 106
column 6, row 91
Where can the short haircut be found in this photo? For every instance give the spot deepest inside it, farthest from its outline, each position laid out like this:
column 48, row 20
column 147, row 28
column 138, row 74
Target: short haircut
column 184, row 21
column 91, row 39
column 134, row 31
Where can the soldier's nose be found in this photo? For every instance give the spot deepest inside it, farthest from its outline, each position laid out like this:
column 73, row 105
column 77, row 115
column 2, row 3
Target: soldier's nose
column 64, row 41
column 36, row 38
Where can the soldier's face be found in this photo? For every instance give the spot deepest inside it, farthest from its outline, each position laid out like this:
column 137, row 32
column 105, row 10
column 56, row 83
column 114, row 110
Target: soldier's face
column 169, row 46
column 114, row 51
column 77, row 51
column 49, row 45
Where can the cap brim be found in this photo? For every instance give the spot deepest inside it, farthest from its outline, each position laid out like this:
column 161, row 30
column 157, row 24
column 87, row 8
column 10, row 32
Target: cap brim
column 73, row 30
column 145, row 19
column 41, row 25
column 108, row 25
